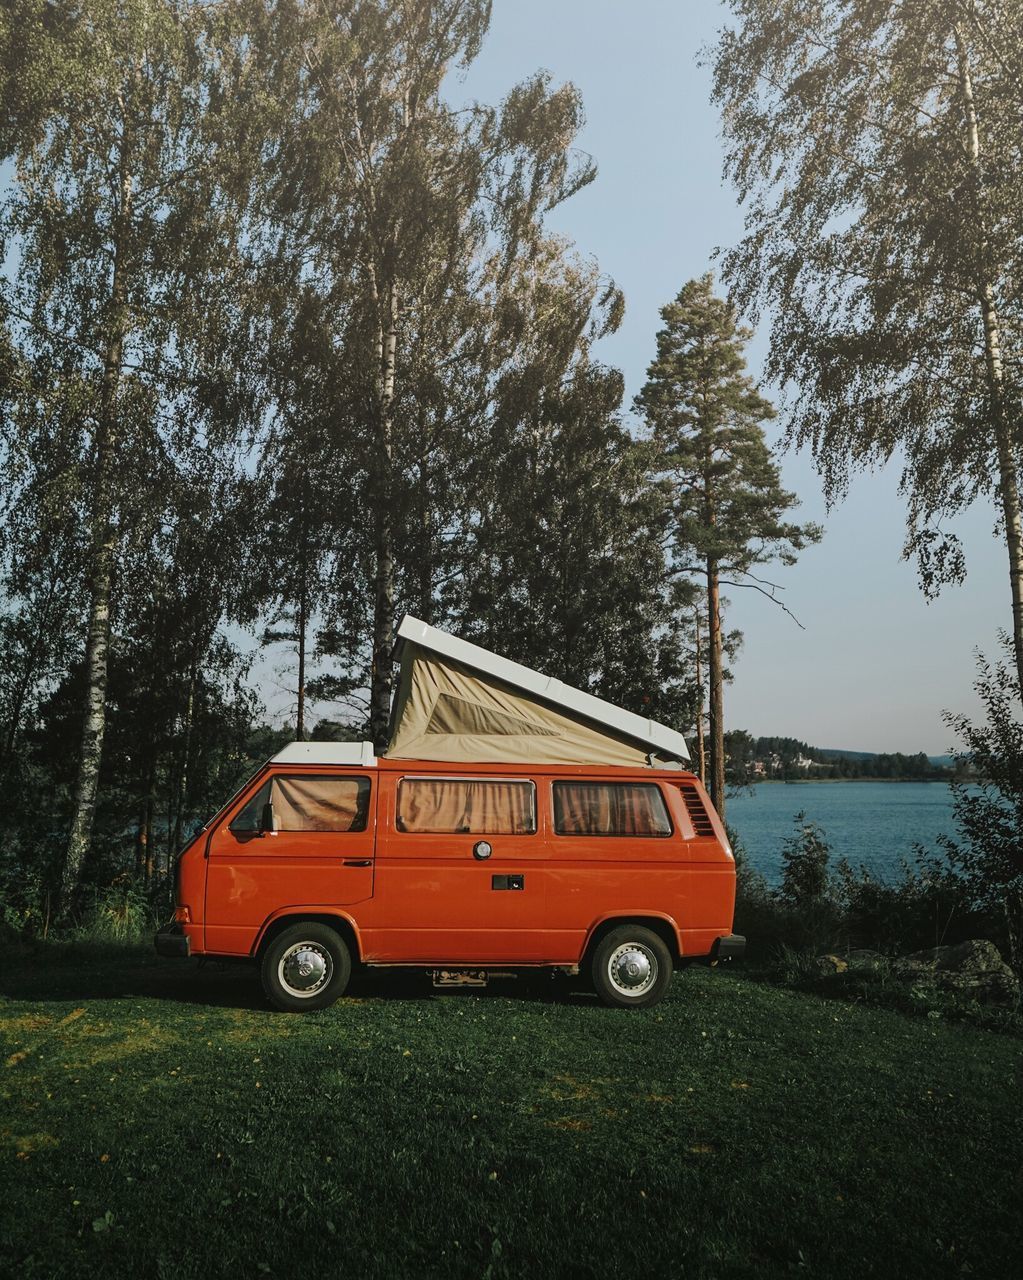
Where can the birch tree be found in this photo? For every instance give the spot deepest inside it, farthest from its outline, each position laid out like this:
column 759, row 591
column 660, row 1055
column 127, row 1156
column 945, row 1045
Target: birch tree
column 878, row 152
column 111, row 222
column 414, row 218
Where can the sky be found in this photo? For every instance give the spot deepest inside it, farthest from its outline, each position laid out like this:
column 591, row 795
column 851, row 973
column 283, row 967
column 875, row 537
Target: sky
column 876, row 663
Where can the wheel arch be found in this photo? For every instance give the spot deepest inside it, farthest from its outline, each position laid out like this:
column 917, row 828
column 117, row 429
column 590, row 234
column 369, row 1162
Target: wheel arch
column 285, row 918
column 663, row 925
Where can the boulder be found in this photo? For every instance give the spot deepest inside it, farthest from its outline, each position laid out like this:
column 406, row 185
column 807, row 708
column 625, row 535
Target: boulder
column 974, row 969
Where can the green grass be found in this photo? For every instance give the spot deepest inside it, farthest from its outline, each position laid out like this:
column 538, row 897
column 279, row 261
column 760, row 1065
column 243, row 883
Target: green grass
column 158, row 1121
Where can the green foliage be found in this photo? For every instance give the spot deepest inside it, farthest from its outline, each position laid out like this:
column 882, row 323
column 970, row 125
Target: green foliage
column 805, row 857
column 121, row 913
column 706, row 417
column 758, row 914
column 806, row 891
column 789, row 758
column 819, row 908
column 564, row 568
column 988, row 855
column 876, row 152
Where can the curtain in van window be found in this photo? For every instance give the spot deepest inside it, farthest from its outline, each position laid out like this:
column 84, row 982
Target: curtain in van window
column 320, row 804
column 609, row 809
column 456, row 805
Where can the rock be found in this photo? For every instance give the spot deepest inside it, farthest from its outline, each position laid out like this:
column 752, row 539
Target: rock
column 975, row 969
column 851, row 962
column 866, row 962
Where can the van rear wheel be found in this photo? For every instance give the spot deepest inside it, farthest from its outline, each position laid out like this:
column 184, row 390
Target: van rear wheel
column 631, row 967
column 307, row 966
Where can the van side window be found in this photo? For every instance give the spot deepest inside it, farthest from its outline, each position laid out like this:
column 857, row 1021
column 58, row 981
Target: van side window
column 463, row 805
column 609, row 809
column 310, row 802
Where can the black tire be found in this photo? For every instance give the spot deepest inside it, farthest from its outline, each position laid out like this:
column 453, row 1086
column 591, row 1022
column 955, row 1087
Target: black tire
column 307, row 957
column 631, row 967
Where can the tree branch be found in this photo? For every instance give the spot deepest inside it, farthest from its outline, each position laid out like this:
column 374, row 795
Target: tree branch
column 755, row 586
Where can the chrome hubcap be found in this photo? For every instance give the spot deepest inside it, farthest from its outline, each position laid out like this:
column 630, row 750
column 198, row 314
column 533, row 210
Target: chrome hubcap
column 632, row 969
column 305, row 969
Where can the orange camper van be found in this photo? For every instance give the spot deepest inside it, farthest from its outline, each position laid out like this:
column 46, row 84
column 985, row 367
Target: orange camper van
column 513, row 822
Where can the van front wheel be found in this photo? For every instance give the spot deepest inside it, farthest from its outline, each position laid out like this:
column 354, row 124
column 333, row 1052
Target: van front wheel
column 631, row 967
column 307, row 966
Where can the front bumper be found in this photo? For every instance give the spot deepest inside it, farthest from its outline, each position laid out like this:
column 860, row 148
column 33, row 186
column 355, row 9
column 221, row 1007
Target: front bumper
column 171, row 941
column 732, row 947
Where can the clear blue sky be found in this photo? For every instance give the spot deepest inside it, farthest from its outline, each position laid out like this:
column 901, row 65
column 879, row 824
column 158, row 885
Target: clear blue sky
column 876, row 664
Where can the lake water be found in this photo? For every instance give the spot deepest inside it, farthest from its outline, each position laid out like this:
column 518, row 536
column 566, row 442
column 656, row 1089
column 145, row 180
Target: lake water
column 875, row 824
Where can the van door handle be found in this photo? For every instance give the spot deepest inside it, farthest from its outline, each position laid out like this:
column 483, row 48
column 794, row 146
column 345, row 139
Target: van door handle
column 357, row 862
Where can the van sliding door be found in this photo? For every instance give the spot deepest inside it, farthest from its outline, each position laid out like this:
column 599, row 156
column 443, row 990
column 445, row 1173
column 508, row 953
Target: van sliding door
column 460, row 866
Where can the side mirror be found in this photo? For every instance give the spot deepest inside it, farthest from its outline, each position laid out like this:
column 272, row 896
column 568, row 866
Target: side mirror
column 268, row 820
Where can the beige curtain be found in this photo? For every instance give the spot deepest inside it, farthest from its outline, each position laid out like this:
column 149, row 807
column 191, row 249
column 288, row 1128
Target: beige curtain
column 609, row 809
column 319, row 804
column 453, row 805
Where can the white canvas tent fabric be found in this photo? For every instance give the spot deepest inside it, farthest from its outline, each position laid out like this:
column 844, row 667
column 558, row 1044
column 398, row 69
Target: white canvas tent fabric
column 446, row 708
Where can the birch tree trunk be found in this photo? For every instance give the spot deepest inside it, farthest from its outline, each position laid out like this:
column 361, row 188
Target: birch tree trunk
column 302, row 620
column 1008, row 471
column 186, row 751
column 104, row 544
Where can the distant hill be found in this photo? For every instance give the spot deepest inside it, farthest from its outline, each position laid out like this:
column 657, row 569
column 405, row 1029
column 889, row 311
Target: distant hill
column 839, row 753
column 750, row 759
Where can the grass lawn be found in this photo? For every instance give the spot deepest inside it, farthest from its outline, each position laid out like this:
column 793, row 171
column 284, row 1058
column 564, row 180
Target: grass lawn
column 158, row 1121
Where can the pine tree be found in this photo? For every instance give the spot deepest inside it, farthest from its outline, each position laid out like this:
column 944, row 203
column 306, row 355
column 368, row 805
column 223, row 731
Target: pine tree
column 705, row 415
column 564, row 568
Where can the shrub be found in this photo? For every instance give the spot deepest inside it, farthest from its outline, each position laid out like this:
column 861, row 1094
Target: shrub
column 24, row 901
column 120, row 913
column 759, row 916
column 988, row 856
column 928, row 906
column 807, row 892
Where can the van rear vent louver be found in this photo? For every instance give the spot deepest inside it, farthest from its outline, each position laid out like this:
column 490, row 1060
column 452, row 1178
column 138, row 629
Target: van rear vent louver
column 698, row 814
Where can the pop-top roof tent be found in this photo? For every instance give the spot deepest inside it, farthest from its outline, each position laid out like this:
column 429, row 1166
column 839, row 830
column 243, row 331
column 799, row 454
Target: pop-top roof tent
column 457, row 701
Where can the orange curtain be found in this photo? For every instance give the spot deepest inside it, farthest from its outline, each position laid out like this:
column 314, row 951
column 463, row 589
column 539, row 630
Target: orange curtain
column 609, row 809
column 454, row 805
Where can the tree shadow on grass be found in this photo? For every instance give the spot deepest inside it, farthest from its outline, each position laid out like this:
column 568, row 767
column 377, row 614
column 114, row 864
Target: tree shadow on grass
column 60, row 974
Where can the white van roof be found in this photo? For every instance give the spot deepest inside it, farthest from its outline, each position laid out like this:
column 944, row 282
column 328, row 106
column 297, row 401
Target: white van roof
column 360, row 754
column 413, row 736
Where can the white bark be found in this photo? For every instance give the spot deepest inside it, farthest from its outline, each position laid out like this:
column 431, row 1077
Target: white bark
column 104, row 548
column 1008, row 471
